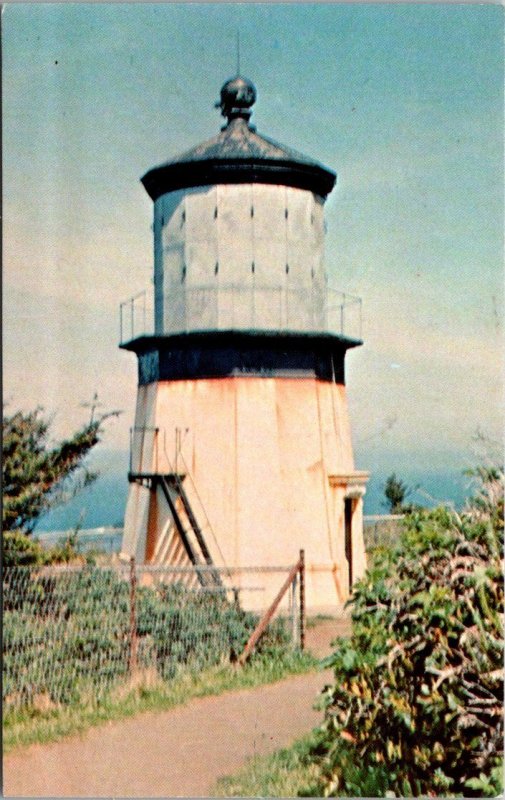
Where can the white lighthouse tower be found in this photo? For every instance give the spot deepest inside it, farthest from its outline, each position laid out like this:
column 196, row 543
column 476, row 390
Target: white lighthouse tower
column 241, row 448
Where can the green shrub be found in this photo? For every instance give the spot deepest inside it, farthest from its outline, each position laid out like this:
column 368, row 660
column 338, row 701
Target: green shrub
column 63, row 632
column 21, row 550
column 416, row 706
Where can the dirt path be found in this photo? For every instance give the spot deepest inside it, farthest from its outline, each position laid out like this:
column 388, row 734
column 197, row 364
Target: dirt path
column 321, row 633
column 181, row 752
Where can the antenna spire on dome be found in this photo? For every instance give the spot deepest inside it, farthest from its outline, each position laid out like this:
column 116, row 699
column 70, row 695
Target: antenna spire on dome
column 237, row 96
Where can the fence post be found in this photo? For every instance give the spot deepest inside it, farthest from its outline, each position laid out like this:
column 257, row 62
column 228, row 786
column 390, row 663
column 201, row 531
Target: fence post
column 295, row 612
column 132, row 666
column 302, row 599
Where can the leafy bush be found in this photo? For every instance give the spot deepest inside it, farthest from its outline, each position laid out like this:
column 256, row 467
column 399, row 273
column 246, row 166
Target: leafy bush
column 416, row 707
column 21, row 550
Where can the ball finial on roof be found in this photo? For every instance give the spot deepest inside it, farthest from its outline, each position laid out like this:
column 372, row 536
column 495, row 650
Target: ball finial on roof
column 237, row 96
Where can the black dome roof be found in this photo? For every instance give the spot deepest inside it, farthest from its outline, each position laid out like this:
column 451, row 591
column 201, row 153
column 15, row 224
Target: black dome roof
column 239, row 155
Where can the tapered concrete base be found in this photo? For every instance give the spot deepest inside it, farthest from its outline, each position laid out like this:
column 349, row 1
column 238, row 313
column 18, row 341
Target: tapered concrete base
column 268, row 462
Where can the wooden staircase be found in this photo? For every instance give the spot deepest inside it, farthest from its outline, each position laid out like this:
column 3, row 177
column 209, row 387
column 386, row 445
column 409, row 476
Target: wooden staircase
column 189, row 532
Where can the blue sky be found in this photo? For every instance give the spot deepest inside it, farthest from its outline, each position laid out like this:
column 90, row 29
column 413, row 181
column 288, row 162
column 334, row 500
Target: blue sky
column 403, row 101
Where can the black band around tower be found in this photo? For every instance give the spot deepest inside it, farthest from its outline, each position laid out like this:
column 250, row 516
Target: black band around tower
column 240, row 354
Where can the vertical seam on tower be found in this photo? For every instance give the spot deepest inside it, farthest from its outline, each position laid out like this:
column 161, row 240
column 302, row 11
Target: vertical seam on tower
column 183, row 284
column 253, row 249
column 218, row 276
column 325, row 476
column 235, row 495
column 286, row 261
column 333, row 406
column 159, row 273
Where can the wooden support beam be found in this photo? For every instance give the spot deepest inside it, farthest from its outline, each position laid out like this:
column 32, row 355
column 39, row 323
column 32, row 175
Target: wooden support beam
column 267, row 616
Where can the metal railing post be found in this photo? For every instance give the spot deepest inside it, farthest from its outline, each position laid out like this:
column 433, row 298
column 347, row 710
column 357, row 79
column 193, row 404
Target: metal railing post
column 177, row 435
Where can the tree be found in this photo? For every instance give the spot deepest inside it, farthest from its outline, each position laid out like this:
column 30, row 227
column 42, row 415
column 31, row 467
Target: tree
column 396, row 493
column 38, row 475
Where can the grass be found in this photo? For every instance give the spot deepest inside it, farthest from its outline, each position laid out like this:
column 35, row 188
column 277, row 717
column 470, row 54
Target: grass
column 286, row 773
column 296, row 771
column 28, row 726
column 314, row 621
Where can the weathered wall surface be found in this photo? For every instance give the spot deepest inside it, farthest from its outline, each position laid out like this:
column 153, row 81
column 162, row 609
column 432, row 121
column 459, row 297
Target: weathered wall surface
column 252, row 236
column 261, row 452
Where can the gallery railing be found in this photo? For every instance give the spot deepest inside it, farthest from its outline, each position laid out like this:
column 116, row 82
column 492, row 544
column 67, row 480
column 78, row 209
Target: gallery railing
column 232, row 307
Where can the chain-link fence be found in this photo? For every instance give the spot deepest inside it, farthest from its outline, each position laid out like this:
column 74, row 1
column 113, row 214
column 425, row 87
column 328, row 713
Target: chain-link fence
column 71, row 634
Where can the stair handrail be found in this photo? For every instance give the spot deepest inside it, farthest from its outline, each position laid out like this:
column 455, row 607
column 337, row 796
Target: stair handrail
column 207, row 520
column 182, row 492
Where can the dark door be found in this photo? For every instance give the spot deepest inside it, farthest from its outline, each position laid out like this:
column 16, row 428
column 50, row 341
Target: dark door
column 348, row 509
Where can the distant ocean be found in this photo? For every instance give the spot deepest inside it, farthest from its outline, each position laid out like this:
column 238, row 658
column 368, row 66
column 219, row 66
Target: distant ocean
column 103, row 539
column 428, row 489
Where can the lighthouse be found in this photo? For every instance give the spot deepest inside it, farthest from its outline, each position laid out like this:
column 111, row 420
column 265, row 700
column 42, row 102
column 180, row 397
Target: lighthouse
column 241, row 451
